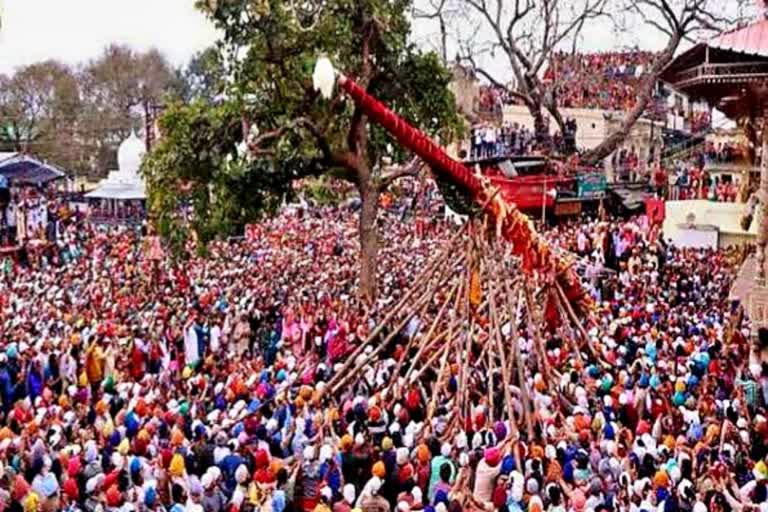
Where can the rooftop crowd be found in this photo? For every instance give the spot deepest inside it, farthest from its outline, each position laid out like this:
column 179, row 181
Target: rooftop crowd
column 606, row 80
column 129, row 381
column 603, row 80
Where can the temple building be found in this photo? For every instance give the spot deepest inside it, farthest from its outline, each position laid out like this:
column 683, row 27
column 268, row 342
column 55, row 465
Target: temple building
column 121, row 196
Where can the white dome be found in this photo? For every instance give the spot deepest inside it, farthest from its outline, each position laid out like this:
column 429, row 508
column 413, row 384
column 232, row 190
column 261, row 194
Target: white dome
column 130, row 154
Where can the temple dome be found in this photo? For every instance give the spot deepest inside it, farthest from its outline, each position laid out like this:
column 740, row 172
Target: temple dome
column 130, row 154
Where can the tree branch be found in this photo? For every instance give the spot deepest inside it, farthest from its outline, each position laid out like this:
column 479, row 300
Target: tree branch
column 357, row 139
column 412, row 168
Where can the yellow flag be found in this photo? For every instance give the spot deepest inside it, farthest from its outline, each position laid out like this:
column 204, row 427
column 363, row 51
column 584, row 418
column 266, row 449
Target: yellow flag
column 475, row 292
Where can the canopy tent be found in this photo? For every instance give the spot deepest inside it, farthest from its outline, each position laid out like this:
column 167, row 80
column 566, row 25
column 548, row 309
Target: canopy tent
column 751, row 40
column 24, row 170
column 118, row 191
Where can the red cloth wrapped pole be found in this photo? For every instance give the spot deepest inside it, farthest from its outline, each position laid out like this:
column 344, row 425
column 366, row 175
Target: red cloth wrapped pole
column 512, row 224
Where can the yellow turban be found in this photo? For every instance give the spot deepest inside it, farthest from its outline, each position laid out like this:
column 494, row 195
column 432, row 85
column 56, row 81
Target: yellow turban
column 123, row 448
column 761, row 468
column 177, row 465
column 31, row 502
column 108, row 428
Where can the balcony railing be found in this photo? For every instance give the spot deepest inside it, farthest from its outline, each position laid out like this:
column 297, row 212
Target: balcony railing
column 739, row 71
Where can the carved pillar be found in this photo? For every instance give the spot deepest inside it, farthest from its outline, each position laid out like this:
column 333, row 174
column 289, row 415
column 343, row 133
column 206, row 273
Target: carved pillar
column 762, row 231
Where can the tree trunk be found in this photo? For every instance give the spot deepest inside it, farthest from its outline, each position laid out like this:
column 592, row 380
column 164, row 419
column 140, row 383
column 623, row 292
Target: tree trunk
column 369, row 243
column 612, row 142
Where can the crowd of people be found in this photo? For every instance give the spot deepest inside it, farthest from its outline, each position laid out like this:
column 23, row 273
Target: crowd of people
column 724, row 152
column 605, row 80
column 28, row 213
column 701, row 121
column 489, row 140
column 493, row 140
column 132, row 381
column 683, row 180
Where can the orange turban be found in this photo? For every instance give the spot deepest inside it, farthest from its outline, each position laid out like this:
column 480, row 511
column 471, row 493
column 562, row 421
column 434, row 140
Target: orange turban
column 379, row 470
column 661, row 479
column 422, row 453
column 177, row 438
column 141, row 407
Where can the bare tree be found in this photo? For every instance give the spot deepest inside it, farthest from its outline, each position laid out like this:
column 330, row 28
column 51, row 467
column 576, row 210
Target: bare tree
column 442, row 12
column 677, row 20
column 520, row 37
column 526, row 33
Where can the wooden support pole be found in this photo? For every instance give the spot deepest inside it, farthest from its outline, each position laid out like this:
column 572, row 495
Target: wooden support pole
column 439, row 382
column 425, row 341
column 535, row 322
column 577, row 323
column 496, row 339
column 423, row 278
column 512, row 301
column 573, row 343
column 423, row 302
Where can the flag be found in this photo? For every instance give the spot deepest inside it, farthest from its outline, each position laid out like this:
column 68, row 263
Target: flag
column 655, row 210
column 475, row 292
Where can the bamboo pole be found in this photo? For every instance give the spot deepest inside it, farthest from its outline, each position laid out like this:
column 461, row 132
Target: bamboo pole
column 579, row 326
column 421, row 279
column 453, row 343
column 423, row 302
column 570, row 332
column 432, row 358
column 464, row 355
column 491, row 368
column 440, row 377
column 534, row 321
column 516, row 359
column 426, row 341
column 496, row 337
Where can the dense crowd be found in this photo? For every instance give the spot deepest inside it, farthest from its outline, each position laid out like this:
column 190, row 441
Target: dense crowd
column 701, row 121
column 606, row 81
column 29, row 213
column 131, row 382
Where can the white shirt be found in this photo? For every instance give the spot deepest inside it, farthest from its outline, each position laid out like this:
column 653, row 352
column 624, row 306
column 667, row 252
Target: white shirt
column 215, row 336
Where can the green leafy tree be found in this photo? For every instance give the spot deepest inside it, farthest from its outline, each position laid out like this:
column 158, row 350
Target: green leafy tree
column 199, row 164
column 270, row 48
column 204, row 77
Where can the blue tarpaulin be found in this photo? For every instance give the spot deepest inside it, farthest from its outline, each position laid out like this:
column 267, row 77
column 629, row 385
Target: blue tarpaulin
column 25, row 170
